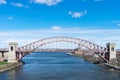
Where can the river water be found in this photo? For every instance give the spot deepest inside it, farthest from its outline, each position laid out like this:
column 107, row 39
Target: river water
column 58, row 66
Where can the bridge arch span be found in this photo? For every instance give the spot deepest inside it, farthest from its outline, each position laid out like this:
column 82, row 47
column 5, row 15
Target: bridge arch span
column 35, row 45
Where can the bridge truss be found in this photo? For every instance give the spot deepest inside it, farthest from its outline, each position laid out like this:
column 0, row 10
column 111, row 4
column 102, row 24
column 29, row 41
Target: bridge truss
column 35, row 46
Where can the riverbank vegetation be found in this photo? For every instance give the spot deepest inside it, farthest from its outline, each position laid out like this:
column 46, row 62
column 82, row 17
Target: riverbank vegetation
column 3, row 62
column 118, row 58
column 5, row 66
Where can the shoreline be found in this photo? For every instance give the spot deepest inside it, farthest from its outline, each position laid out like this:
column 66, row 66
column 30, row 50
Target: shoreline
column 106, row 65
column 10, row 66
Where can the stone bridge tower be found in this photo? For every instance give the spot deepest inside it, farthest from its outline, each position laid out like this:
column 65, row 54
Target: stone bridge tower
column 12, row 52
column 111, row 48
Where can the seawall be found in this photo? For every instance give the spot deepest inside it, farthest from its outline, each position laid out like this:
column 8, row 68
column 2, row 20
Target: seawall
column 10, row 66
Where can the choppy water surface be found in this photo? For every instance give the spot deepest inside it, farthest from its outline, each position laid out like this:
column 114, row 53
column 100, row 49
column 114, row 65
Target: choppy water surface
column 58, row 66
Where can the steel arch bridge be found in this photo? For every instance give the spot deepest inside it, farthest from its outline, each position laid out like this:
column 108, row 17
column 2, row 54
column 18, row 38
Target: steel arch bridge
column 32, row 47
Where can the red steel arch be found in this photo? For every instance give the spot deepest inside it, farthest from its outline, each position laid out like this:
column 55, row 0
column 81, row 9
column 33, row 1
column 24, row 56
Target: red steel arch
column 29, row 48
column 34, row 45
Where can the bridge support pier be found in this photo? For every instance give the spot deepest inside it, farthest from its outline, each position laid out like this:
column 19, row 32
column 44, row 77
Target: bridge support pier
column 12, row 52
column 111, row 48
column 1, row 58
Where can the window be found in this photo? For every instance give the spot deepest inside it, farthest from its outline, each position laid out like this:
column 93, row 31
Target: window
column 112, row 48
column 11, row 48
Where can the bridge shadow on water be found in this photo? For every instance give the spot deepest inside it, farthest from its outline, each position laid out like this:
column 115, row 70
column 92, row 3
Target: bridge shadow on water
column 58, row 66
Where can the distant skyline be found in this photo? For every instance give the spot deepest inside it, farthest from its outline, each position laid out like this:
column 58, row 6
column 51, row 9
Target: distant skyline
column 25, row 21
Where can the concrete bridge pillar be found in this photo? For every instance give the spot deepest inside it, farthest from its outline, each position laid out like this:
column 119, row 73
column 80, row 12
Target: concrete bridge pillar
column 111, row 48
column 12, row 52
column 1, row 58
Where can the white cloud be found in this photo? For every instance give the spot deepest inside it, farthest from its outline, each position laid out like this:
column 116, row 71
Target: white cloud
column 10, row 18
column 47, row 2
column 3, row 2
column 19, row 5
column 56, row 28
column 98, row 36
column 77, row 14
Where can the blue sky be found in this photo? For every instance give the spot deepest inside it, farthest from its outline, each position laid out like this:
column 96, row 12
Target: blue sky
column 25, row 21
